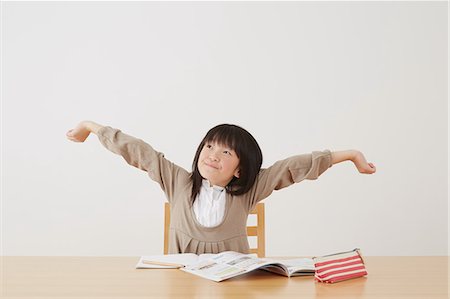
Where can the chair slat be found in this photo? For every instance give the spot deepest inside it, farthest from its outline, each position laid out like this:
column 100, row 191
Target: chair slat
column 166, row 227
column 252, row 231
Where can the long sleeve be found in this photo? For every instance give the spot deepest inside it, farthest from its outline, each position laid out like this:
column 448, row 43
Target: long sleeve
column 286, row 172
column 141, row 155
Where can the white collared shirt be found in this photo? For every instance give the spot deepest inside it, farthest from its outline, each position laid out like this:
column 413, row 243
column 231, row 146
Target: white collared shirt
column 209, row 206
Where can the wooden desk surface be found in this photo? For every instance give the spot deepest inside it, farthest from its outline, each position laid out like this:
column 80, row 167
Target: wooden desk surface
column 116, row 277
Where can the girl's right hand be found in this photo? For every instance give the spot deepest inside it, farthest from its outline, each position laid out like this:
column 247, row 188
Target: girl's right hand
column 79, row 133
column 362, row 165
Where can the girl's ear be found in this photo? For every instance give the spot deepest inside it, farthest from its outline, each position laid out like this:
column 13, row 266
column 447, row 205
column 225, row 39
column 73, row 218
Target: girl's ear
column 236, row 172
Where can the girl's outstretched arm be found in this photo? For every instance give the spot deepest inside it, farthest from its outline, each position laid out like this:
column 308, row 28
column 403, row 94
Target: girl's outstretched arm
column 137, row 153
column 82, row 131
column 356, row 157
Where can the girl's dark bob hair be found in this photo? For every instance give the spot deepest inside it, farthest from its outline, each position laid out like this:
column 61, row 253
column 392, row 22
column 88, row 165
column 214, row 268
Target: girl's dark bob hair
column 247, row 150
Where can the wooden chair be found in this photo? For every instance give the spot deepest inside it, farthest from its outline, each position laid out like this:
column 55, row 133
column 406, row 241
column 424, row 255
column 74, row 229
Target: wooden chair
column 257, row 231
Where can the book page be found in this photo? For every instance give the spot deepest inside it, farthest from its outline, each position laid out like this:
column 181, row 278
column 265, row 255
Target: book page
column 303, row 266
column 225, row 265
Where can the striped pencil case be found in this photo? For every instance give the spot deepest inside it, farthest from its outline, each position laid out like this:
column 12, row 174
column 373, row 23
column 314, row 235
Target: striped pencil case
column 340, row 266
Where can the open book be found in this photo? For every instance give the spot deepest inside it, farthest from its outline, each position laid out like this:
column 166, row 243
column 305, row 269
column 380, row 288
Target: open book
column 227, row 264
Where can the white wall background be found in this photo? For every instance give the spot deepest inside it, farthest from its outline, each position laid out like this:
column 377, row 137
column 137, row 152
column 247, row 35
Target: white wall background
column 300, row 76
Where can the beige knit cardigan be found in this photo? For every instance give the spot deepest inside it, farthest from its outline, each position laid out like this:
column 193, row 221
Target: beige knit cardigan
column 186, row 233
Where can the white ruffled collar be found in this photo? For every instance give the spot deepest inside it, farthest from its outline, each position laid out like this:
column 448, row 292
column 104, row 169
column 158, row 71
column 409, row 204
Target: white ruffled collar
column 207, row 185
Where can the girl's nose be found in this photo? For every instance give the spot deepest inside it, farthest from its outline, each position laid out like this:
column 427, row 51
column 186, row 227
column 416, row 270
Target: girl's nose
column 213, row 156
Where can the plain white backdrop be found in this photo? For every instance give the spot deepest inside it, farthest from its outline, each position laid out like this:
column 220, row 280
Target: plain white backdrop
column 300, row 76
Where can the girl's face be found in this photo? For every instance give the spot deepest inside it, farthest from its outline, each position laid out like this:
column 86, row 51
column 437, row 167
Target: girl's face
column 218, row 164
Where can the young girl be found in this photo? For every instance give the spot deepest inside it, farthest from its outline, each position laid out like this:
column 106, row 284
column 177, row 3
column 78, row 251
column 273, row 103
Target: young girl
column 210, row 205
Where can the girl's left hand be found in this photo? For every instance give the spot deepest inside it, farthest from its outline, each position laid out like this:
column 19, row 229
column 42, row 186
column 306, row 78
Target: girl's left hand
column 362, row 165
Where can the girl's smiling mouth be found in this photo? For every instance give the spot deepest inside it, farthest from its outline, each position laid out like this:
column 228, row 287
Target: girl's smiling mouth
column 212, row 166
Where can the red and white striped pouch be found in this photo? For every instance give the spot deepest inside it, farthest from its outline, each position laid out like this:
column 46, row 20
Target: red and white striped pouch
column 340, row 266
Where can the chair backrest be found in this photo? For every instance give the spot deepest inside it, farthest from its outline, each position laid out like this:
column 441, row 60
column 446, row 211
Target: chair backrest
column 257, row 231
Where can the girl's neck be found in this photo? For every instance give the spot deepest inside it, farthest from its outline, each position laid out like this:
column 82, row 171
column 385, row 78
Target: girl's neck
column 210, row 184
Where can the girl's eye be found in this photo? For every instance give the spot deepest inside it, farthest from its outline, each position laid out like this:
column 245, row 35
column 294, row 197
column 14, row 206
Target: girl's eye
column 208, row 146
column 227, row 152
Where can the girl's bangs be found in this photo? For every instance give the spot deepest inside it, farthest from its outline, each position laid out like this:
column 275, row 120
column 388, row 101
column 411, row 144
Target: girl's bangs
column 224, row 137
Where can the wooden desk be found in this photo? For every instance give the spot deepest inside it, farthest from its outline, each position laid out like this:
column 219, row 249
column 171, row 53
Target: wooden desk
column 116, row 277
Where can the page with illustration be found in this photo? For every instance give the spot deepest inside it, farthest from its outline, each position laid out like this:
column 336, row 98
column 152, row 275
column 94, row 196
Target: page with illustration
column 225, row 265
